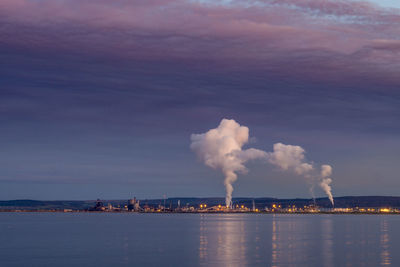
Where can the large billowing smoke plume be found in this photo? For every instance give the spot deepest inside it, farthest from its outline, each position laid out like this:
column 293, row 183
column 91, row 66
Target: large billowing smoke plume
column 221, row 148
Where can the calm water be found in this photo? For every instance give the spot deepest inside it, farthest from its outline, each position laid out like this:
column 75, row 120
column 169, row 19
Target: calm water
column 101, row 239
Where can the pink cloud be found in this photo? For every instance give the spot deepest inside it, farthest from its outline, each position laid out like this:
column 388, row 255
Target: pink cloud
column 326, row 39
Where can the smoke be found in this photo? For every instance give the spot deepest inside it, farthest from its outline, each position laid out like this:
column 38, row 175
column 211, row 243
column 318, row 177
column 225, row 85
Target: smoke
column 221, row 148
column 292, row 158
column 326, row 171
column 288, row 157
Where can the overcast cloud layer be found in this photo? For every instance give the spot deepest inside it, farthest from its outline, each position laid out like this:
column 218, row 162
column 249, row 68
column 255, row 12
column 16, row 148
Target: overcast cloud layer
column 319, row 40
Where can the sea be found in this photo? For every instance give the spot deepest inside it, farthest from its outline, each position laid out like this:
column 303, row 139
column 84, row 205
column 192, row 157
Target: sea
column 139, row 239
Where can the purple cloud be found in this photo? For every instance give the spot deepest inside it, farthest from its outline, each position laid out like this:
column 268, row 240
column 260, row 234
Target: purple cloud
column 321, row 40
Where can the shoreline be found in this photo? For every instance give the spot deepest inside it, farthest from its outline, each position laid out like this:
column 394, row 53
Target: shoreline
column 201, row 212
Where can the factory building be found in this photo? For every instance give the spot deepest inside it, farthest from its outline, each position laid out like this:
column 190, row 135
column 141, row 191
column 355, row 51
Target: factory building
column 133, row 204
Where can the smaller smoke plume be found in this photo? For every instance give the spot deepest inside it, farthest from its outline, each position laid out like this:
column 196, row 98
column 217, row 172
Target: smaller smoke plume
column 326, row 171
column 291, row 158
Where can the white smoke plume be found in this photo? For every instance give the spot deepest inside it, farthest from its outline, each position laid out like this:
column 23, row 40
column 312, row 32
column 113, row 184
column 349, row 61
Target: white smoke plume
column 326, row 171
column 221, row 148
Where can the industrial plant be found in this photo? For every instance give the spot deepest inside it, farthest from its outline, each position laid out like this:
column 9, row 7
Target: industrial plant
column 352, row 205
column 133, row 205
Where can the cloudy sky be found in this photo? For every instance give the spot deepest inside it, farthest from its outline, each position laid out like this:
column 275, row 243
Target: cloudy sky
column 99, row 98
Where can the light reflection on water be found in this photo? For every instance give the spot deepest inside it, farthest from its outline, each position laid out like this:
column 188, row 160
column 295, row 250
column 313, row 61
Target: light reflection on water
column 327, row 244
column 297, row 240
column 46, row 239
column 385, row 254
column 222, row 241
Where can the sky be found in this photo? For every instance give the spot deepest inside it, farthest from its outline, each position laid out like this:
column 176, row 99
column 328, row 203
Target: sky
column 387, row 3
column 98, row 99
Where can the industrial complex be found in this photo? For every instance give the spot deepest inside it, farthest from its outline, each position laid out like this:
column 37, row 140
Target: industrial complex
column 356, row 205
column 133, row 205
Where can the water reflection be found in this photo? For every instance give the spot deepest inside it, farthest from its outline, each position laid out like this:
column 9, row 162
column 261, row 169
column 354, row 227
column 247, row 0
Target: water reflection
column 231, row 242
column 327, row 241
column 126, row 249
column 385, row 255
column 295, row 240
column 203, row 239
column 222, row 241
column 274, row 241
column 288, row 244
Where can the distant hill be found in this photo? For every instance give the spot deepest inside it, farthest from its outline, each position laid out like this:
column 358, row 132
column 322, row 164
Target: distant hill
column 48, row 205
column 340, row 202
